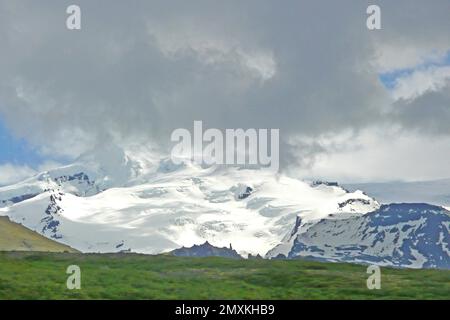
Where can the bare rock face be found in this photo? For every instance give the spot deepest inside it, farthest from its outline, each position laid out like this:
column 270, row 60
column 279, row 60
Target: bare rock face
column 403, row 235
column 206, row 250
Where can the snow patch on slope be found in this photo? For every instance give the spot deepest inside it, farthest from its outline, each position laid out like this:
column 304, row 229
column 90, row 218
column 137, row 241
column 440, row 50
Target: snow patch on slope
column 407, row 235
column 158, row 210
column 436, row 192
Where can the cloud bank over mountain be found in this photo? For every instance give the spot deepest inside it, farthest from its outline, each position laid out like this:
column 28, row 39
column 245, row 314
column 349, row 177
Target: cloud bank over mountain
column 136, row 71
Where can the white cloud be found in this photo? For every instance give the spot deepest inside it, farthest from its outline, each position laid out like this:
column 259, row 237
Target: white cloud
column 379, row 154
column 214, row 49
column 10, row 173
column 136, row 72
column 390, row 57
column 421, row 81
column 48, row 165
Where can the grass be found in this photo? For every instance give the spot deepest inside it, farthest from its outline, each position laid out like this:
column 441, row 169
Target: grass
column 129, row 276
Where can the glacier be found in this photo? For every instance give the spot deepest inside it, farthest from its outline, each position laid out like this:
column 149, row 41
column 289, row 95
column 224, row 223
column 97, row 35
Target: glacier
column 114, row 201
column 159, row 207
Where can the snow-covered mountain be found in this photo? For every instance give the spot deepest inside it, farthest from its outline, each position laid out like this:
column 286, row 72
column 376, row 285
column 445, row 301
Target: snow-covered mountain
column 407, row 235
column 131, row 205
column 111, row 201
column 436, row 192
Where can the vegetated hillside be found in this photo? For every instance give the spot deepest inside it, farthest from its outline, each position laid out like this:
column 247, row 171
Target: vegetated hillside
column 15, row 237
column 132, row 276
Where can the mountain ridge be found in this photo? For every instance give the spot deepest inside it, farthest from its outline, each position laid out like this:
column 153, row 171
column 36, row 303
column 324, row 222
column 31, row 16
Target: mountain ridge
column 135, row 205
column 173, row 206
column 404, row 234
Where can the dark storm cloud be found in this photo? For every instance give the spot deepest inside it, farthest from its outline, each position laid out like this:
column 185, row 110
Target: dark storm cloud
column 137, row 70
column 429, row 113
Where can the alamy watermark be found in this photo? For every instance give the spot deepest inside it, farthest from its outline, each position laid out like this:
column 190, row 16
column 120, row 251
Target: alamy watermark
column 373, row 22
column 74, row 280
column 73, row 21
column 374, row 280
column 235, row 147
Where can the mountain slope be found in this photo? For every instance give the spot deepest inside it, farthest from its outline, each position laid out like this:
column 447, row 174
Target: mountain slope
column 170, row 206
column 123, row 203
column 407, row 235
column 436, row 192
column 14, row 237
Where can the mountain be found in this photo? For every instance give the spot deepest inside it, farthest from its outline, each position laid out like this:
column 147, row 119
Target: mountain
column 406, row 235
column 14, row 237
column 436, row 192
column 115, row 201
column 121, row 202
column 206, row 250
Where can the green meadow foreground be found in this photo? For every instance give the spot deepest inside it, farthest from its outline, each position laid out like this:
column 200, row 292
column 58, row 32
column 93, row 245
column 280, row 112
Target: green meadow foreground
column 28, row 275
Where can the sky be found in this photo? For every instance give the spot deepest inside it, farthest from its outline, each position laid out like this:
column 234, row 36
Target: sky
column 15, row 150
column 352, row 104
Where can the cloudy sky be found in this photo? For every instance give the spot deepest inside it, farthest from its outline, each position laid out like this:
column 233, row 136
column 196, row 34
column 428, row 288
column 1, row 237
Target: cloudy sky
column 351, row 104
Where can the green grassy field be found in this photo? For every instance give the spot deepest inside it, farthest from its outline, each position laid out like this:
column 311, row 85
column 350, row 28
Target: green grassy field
column 128, row 276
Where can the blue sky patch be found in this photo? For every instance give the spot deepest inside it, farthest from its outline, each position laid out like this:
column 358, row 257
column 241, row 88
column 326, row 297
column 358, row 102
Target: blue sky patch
column 389, row 79
column 17, row 151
